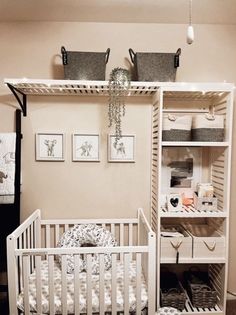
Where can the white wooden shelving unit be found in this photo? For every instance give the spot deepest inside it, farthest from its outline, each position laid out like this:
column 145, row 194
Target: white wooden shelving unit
column 215, row 167
column 170, row 97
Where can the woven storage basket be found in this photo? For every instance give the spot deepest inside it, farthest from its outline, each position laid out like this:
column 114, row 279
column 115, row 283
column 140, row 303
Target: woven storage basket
column 208, row 128
column 172, row 293
column 155, row 66
column 176, row 128
column 199, row 289
column 80, row 65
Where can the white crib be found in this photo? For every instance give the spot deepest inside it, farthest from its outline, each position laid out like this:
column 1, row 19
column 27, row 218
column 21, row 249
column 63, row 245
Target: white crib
column 33, row 245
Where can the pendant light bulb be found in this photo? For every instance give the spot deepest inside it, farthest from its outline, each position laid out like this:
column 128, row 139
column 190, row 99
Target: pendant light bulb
column 190, row 31
column 190, row 35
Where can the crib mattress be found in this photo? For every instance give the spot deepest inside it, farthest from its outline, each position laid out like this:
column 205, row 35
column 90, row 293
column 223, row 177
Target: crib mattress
column 82, row 297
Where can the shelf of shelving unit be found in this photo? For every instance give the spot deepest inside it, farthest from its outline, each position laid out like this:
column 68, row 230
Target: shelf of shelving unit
column 190, row 310
column 220, row 260
column 194, row 144
column 191, row 212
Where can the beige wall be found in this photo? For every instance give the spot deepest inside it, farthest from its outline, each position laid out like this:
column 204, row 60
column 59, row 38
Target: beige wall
column 66, row 189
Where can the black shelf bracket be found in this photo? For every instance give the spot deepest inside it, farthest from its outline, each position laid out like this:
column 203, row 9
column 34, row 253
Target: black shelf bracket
column 20, row 97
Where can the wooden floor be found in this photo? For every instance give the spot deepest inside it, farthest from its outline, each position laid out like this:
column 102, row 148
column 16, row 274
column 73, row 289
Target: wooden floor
column 231, row 307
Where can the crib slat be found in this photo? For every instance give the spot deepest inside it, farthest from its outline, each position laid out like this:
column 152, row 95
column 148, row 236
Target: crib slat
column 24, row 239
column 121, row 239
column 51, row 284
column 28, row 237
column 138, row 283
column 89, row 284
column 48, row 242
column 126, row 283
column 63, row 285
column 32, row 246
column 101, row 284
column 113, row 229
column 26, row 266
column 113, row 284
column 130, row 234
column 38, row 284
column 66, row 227
column 77, row 284
column 56, row 233
column 20, row 263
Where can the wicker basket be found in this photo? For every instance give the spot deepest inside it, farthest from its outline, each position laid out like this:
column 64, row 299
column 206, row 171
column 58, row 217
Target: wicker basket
column 199, row 289
column 172, row 293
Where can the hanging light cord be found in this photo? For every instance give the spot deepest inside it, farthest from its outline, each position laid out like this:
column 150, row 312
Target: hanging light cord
column 190, row 11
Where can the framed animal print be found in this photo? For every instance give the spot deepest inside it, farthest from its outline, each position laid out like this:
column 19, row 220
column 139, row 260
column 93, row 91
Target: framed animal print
column 85, row 147
column 122, row 150
column 50, row 147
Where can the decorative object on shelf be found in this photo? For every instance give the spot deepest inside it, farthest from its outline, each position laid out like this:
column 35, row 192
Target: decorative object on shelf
column 50, row 147
column 85, row 147
column 204, row 203
column 205, row 190
column 174, row 202
column 176, row 128
column 119, row 84
column 122, row 150
column 160, row 67
column 80, row 65
column 181, row 170
column 190, row 30
column 208, row 127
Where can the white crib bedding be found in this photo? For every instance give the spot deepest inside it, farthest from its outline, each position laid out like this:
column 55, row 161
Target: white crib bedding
column 82, row 297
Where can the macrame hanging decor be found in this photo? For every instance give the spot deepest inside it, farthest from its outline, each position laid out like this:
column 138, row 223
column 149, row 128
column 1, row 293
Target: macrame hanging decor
column 119, row 84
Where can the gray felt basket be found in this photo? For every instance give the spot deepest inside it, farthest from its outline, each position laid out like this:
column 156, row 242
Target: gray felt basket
column 156, row 67
column 84, row 65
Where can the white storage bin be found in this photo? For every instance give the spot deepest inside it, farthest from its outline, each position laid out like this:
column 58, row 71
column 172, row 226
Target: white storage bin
column 176, row 128
column 208, row 127
column 171, row 244
column 207, row 243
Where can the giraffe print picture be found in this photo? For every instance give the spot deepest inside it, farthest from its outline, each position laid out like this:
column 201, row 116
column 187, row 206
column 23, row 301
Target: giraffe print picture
column 50, row 146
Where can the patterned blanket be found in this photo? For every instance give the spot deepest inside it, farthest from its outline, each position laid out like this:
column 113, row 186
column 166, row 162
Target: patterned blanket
column 82, row 298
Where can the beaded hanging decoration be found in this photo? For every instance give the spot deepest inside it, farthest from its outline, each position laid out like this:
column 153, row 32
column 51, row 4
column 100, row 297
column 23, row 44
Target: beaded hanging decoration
column 119, row 84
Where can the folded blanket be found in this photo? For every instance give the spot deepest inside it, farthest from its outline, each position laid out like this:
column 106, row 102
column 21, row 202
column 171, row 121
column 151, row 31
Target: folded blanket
column 7, row 167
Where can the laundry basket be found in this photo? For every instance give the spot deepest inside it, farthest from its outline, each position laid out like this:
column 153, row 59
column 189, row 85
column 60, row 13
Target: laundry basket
column 80, row 65
column 155, row 66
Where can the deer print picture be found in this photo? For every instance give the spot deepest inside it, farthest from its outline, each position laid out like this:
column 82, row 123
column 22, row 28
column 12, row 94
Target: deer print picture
column 50, row 147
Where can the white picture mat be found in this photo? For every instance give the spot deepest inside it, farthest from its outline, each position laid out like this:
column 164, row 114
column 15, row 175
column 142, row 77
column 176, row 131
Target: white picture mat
column 171, row 154
column 85, row 147
column 53, row 140
column 123, row 150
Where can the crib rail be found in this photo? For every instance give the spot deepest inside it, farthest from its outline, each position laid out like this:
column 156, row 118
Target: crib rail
column 34, row 243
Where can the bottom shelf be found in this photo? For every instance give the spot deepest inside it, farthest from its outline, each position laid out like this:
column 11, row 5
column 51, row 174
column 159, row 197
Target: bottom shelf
column 190, row 310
